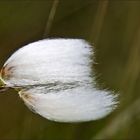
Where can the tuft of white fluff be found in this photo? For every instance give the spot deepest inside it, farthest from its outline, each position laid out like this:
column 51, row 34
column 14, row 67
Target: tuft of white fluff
column 50, row 60
column 56, row 81
column 79, row 104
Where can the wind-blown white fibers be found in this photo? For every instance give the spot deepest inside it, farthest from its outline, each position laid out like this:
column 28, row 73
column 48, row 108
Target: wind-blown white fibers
column 77, row 104
column 55, row 79
column 49, row 61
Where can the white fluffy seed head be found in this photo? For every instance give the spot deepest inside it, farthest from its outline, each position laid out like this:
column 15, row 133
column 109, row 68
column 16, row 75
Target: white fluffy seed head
column 56, row 81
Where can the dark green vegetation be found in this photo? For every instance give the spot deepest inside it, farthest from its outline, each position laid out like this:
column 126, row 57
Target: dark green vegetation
column 114, row 28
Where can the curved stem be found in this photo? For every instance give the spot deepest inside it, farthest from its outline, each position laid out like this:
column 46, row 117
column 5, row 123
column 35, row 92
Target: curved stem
column 3, row 89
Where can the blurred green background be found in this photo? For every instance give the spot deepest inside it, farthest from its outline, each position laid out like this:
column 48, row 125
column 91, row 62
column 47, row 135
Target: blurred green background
column 113, row 26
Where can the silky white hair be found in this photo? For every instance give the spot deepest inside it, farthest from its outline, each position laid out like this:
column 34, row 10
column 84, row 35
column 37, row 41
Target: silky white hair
column 55, row 80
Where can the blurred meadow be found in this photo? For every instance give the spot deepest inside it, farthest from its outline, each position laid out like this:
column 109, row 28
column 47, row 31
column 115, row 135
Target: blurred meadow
column 113, row 27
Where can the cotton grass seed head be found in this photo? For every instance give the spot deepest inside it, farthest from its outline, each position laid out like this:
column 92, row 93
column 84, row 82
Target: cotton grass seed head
column 54, row 79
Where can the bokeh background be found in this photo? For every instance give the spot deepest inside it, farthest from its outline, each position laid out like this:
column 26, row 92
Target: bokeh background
column 113, row 26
